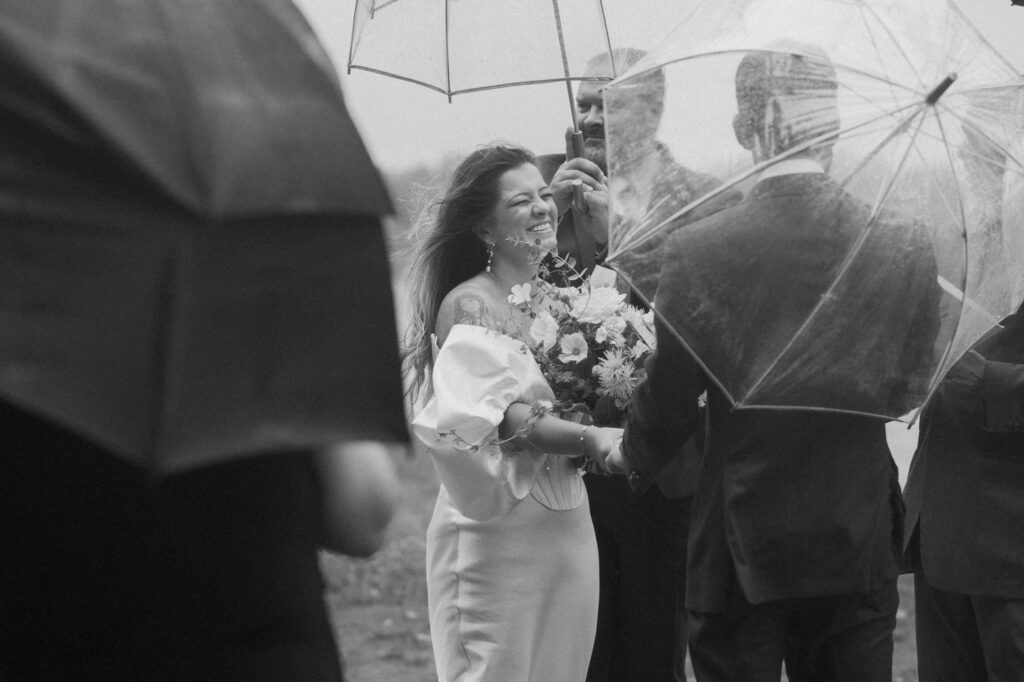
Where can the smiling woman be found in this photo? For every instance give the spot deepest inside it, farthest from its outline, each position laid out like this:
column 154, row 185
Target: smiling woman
column 525, row 213
column 512, row 512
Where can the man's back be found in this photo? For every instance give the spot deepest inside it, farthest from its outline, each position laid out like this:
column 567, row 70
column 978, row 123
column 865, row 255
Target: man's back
column 789, row 503
column 790, row 294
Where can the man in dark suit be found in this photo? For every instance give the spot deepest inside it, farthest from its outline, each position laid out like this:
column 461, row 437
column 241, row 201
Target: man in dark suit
column 641, row 539
column 792, row 552
column 965, row 516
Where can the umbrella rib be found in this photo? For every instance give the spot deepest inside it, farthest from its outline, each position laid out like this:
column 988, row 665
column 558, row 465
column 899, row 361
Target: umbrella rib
column 407, row 79
column 965, row 300
column 607, row 37
column 481, row 88
column 919, row 90
column 966, row 121
column 565, row 61
column 850, row 256
column 892, row 36
column 580, row 79
column 352, row 37
column 898, row 130
column 963, row 286
column 447, row 48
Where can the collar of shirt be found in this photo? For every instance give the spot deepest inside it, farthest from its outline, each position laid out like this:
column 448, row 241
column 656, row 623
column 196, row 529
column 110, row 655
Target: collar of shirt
column 791, row 167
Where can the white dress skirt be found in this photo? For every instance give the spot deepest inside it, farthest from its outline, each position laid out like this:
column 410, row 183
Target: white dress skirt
column 512, row 571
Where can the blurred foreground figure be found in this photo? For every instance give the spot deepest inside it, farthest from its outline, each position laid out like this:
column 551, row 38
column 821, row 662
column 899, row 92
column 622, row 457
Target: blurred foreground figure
column 196, row 327
column 965, row 516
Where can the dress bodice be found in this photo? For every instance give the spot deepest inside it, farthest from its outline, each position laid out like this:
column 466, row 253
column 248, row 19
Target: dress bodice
column 477, row 374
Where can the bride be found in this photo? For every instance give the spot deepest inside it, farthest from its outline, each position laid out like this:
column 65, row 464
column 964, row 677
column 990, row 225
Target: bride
column 512, row 572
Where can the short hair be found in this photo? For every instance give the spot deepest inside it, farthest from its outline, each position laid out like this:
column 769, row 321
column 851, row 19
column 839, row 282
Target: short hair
column 650, row 85
column 788, row 95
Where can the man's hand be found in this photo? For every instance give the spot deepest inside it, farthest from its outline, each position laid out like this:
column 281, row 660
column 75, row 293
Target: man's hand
column 599, row 443
column 595, row 195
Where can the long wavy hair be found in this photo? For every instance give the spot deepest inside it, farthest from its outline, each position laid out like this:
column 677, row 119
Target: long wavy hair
column 452, row 251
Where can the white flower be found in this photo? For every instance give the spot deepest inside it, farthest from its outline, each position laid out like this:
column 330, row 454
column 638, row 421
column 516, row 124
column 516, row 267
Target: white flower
column 520, row 294
column 611, row 331
column 544, row 330
column 616, row 376
column 643, row 324
column 601, row 303
column 632, row 315
column 574, row 348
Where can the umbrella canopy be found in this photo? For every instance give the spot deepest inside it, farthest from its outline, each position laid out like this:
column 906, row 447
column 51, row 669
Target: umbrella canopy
column 460, row 47
column 877, row 146
column 192, row 265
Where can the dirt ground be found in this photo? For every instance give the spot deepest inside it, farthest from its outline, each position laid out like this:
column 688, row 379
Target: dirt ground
column 379, row 605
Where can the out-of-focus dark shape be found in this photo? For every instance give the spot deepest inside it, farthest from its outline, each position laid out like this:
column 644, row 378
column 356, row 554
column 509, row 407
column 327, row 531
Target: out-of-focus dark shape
column 192, row 264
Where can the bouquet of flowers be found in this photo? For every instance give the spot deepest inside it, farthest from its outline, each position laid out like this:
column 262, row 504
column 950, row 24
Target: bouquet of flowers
column 590, row 344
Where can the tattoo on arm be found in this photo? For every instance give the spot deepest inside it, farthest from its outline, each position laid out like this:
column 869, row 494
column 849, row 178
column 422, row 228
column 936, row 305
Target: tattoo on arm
column 471, row 308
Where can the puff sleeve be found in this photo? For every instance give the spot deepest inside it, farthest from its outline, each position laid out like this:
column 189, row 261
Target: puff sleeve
column 477, row 374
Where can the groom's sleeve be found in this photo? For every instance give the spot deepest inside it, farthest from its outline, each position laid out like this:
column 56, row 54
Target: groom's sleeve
column 664, row 411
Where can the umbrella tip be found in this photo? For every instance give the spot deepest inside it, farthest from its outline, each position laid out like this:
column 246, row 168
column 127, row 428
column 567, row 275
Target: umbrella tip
column 940, row 89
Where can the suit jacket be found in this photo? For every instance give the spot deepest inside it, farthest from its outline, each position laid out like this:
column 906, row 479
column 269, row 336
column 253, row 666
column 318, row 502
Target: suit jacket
column 965, row 490
column 789, row 503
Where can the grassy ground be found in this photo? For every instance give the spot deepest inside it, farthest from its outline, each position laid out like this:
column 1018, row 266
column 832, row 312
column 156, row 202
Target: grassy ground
column 379, row 605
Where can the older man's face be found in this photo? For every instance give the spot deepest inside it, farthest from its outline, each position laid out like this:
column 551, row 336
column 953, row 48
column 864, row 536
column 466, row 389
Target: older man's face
column 590, row 120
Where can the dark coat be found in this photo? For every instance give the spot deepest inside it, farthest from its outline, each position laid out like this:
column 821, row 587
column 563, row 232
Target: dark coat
column 789, row 504
column 965, row 491
column 109, row 574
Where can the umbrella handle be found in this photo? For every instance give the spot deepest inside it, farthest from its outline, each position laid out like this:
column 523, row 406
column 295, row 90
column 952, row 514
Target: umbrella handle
column 578, row 149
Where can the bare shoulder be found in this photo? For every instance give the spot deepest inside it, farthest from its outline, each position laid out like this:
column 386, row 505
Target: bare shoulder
column 469, row 303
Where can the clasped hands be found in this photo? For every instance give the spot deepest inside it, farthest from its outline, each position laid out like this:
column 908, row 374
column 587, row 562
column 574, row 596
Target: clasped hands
column 603, row 445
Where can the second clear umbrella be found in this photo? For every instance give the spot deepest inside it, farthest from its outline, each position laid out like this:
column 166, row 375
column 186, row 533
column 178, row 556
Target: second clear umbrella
column 875, row 144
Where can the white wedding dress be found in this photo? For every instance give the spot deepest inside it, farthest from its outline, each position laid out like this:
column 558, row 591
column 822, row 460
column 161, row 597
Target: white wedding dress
column 512, row 571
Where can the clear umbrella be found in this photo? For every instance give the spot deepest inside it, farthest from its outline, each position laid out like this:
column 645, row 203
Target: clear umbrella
column 458, row 46
column 894, row 129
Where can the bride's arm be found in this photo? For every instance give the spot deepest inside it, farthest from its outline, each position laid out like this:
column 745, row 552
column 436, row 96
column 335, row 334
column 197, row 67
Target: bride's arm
column 557, row 436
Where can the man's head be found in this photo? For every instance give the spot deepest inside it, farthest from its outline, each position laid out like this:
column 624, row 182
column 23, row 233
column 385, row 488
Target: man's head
column 646, row 114
column 786, row 96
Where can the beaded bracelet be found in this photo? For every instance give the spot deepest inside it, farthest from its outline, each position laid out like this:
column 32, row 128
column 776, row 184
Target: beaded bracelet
column 583, row 432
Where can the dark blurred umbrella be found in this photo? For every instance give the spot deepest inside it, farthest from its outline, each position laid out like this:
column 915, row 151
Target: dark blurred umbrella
column 192, row 265
column 913, row 119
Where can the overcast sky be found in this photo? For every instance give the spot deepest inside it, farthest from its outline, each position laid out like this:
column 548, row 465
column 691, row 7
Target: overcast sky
column 404, row 124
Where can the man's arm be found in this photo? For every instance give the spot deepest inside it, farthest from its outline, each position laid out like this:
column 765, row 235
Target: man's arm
column 664, row 410
column 1003, row 396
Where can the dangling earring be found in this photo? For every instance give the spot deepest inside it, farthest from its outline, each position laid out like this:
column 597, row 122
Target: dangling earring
column 490, row 255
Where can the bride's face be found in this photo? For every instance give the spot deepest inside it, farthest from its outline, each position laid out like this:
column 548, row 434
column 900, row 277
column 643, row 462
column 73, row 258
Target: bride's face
column 525, row 212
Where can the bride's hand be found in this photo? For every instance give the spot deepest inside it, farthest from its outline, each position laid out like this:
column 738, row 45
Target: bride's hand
column 599, row 442
column 615, row 462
